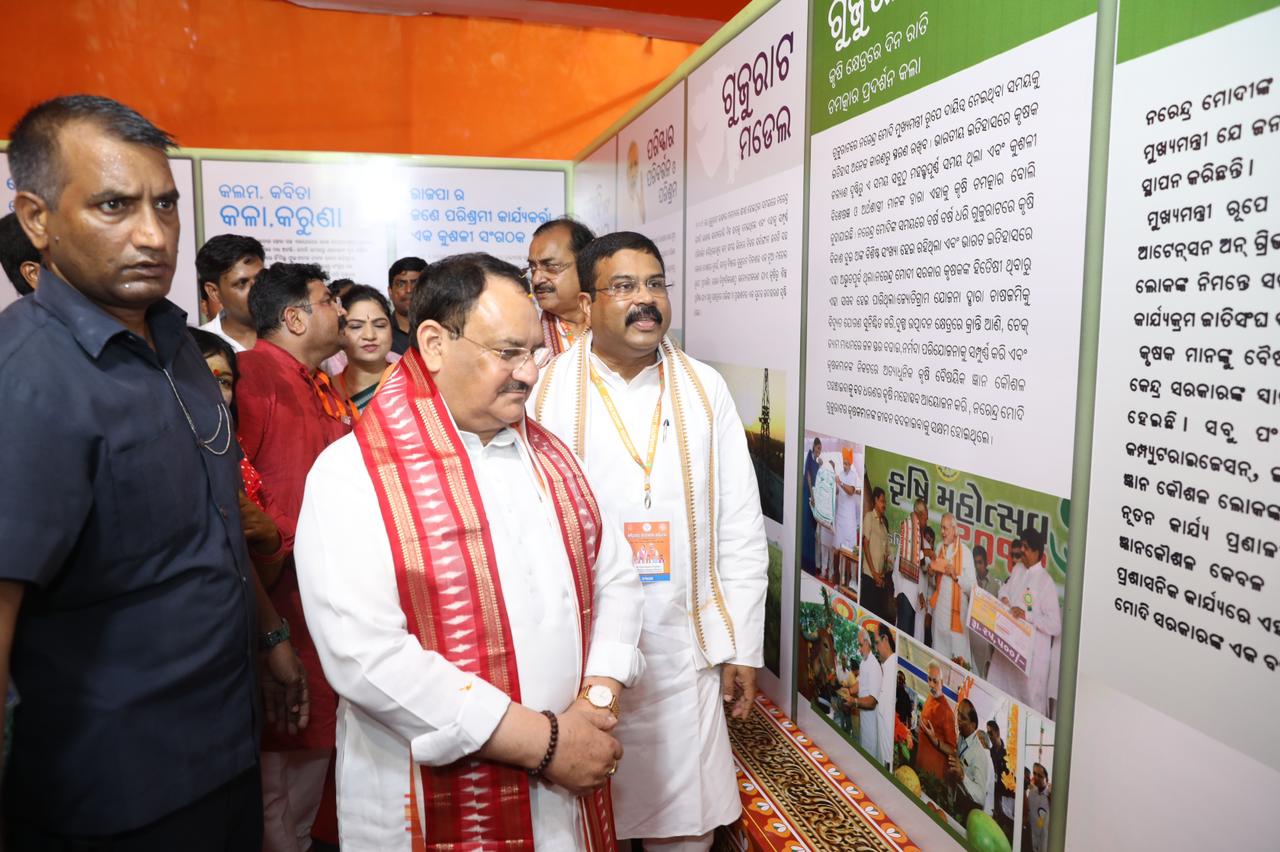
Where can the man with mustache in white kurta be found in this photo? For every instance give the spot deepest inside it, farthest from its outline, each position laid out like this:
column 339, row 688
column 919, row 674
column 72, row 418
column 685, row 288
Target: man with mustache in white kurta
column 666, row 454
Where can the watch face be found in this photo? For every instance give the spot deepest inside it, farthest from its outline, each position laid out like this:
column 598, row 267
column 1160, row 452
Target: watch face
column 600, row 696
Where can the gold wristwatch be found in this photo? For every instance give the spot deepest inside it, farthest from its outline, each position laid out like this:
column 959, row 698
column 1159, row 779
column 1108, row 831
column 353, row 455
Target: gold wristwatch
column 601, row 696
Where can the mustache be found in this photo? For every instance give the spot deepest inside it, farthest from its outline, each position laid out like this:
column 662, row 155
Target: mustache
column 640, row 312
column 515, row 386
column 544, row 288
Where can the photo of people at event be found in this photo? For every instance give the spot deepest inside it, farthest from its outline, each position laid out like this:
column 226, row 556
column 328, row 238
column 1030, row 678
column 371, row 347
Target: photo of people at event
column 952, row 738
column 971, row 568
column 830, row 511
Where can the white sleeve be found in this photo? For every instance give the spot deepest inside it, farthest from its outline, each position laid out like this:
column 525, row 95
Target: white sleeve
column 618, row 612
column 743, row 557
column 968, row 574
column 347, row 580
column 1046, row 614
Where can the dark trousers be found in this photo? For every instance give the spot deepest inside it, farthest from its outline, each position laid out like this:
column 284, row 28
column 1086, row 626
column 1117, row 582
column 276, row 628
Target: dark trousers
column 877, row 599
column 906, row 616
column 227, row 820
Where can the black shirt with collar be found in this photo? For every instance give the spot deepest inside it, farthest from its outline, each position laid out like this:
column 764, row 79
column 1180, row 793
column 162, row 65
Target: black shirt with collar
column 134, row 649
column 400, row 340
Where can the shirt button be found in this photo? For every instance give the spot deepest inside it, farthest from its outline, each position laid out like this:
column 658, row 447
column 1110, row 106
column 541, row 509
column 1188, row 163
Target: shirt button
column 222, row 512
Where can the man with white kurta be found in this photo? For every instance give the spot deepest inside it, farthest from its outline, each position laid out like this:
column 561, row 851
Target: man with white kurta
column 885, row 649
column 1032, row 595
column 949, row 603
column 870, row 676
column 847, row 499
column 662, row 443
column 471, row 608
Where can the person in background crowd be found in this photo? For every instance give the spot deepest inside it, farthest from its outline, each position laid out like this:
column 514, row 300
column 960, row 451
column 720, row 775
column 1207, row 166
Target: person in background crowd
column 937, row 729
column 289, row 412
column 1003, row 806
column 340, row 287
column 949, row 601
column 1036, row 807
column 809, row 528
column 123, row 551
column 1032, row 596
column 623, row 390
column 553, row 273
column 986, row 581
column 886, row 652
column 912, row 552
column 846, row 527
column 402, row 277
column 876, row 591
column 969, row 769
column 366, row 342
column 18, row 257
column 226, row 267
column 470, row 736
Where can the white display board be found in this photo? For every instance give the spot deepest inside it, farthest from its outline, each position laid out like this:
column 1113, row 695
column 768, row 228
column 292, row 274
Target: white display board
column 595, row 188
column 1179, row 667
column 743, row 265
column 444, row 211
column 650, row 193
column 337, row 215
column 184, row 292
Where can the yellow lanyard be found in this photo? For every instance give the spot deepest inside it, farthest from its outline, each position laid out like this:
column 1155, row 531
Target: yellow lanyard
column 646, row 466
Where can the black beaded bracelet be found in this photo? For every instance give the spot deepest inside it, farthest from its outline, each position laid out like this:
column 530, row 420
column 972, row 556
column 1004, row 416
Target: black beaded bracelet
column 551, row 745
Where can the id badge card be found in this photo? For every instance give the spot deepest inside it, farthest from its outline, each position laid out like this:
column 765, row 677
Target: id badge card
column 650, row 543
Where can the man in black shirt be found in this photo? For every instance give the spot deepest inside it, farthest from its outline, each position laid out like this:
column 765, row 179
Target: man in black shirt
column 127, row 608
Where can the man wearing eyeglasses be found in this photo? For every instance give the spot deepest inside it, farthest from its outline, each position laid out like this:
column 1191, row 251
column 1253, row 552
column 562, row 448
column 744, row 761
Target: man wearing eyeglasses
column 662, row 442
column 476, row 614
column 402, row 277
column 553, row 273
column 288, row 413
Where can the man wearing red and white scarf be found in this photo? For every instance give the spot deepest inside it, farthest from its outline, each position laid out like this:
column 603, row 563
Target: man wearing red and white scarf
column 474, row 612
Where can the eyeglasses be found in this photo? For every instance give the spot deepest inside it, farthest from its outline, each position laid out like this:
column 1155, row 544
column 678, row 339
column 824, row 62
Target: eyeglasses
column 329, row 300
column 552, row 268
column 514, row 357
column 626, row 288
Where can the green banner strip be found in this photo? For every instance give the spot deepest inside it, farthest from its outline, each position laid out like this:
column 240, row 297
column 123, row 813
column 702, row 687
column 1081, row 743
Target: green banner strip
column 1149, row 25
column 863, row 58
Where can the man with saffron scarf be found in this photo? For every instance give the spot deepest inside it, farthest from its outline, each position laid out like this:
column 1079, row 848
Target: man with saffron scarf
column 949, row 602
column 468, row 603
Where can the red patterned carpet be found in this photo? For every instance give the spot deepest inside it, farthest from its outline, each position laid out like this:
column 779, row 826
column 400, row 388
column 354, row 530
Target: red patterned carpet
column 795, row 799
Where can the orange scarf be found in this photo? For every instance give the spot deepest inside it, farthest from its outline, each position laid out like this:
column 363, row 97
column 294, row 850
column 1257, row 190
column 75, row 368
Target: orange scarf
column 952, row 571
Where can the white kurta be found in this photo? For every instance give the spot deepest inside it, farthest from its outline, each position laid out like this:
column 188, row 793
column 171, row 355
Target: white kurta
column 1045, row 616
column 947, row 643
column 215, row 326
column 677, row 778
column 847, row 511
column 869, row 677
column 400, row 704
column 976, row 762
column 885, row 709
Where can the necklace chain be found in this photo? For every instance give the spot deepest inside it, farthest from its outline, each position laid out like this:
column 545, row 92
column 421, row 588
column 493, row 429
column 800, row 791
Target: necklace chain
column 224, row 417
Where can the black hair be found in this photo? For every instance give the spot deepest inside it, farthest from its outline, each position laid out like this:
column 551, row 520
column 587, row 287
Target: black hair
column 452, row 287
column 970, row 713
column 405, row 264
column 279, row 286
column 981, row 551
column 876, row 494
column 211, row 346
column 579, row 234
column 15, row 250
column 1032, row 538
column 337, row 285
column 607, row 246
column 887, row 635
column 364, row 293
column 992, row 723
column 222, row 252
column 928, row 533
column 33, row 140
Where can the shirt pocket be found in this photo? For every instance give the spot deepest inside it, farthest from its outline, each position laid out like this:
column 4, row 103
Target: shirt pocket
column 158, row 502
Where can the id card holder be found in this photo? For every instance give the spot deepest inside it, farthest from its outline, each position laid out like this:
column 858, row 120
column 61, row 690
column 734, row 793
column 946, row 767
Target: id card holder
column 650, row 543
